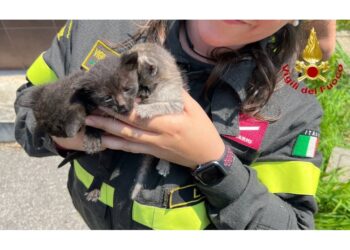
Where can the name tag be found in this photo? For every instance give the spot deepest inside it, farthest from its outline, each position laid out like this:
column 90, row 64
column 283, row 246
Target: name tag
column 251, row 132
column 184, row 196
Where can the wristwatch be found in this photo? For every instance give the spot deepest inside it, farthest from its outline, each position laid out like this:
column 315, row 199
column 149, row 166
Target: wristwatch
column 213, row 172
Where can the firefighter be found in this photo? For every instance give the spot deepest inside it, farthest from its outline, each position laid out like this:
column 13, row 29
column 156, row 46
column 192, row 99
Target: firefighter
column 243, row 152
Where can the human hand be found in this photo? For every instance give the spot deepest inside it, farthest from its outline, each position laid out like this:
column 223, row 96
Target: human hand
column 188, row 138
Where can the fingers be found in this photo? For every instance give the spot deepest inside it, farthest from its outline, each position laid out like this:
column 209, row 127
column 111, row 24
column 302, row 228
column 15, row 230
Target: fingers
column 131, row 119
column 121, row 129
column 72, row 143
column 116, row 143
column 157, row 124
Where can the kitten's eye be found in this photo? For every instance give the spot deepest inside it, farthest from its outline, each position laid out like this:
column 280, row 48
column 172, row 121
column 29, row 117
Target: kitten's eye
column 126, row 89
column 144, row 88
column 107, row 99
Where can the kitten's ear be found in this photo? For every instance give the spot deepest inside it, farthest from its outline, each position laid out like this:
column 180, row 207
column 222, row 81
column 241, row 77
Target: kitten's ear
column 81, row 91
column 130, row 60
column 77, row 96
column 149, row 66
column 29, row 97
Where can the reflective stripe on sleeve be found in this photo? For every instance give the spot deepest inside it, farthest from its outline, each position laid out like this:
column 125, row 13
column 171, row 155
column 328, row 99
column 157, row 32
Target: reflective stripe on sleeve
column 292, row 177
column 40, row 73
column 184, row 218
column 64, row 32
column 106, row 192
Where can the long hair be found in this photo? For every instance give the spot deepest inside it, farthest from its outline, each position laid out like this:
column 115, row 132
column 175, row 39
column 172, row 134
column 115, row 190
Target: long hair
column 268, row 58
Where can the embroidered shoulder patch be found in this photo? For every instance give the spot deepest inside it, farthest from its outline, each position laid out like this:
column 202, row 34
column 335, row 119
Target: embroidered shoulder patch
column 98, row 52
column 306, row 144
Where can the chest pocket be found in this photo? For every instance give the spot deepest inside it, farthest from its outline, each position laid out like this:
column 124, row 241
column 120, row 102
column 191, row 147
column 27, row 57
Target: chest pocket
column 182, row 209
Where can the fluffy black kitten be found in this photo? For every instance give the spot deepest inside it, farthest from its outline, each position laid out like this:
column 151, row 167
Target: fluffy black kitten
column 60, row 108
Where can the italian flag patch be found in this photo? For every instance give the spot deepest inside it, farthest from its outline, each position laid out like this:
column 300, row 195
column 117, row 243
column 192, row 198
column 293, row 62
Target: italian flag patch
column 306, row 144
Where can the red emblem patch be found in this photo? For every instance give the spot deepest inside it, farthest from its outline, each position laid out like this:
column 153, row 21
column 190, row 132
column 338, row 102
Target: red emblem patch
column 251, row 132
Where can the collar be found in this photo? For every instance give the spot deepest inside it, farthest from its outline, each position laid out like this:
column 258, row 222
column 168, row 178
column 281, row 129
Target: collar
column 228, row 96
column 173, row 44
column 235, row 75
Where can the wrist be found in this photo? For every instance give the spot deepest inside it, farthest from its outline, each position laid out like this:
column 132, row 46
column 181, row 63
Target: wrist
column 216, row 153
column 225, row 158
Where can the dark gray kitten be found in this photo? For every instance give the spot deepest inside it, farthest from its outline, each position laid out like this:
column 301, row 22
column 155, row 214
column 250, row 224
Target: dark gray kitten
column 60, row 108
column 160, row 89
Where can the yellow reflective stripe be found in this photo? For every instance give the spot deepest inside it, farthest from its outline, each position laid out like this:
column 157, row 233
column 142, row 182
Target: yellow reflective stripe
column 184, row 218
column 40, row 73
column 292, row 177
column 84, row 176
column 106, row 192
column 69, row 29
column 61, row 32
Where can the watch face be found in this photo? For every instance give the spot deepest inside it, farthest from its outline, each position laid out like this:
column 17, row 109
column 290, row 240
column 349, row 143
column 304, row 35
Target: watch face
column 211, row 175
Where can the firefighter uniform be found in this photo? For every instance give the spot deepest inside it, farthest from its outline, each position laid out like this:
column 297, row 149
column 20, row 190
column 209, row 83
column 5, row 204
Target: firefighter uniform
column 272, row 178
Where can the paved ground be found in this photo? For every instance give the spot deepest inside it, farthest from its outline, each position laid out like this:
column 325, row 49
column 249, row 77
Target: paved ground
column 9, row 83
column 33, row 193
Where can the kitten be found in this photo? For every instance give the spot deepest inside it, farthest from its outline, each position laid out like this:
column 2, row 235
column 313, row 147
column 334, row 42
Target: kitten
column 160, row 89
column 160, row 81
column 60, row 108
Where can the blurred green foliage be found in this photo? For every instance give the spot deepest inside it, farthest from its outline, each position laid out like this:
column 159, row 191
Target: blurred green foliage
column 343, row 25
column 333, row 196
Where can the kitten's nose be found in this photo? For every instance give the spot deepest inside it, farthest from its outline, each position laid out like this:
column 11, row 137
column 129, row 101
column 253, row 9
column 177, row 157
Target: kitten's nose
column 122, row 109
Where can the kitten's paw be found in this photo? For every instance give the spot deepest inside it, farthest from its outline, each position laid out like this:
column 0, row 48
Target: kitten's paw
column 163, row 168
column 177, row 107
column 92, row 145
column 143, row 111
column 159, row 108
column 115, row 174
column 93, row 195
column 136, row 191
